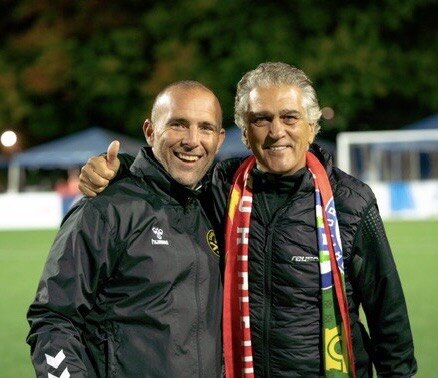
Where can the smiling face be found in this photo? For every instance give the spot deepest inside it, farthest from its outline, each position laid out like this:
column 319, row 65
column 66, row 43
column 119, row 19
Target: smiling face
column 186, row 133
column 277, row 131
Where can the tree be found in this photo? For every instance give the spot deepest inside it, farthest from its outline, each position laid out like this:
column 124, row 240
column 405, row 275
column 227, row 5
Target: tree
column 67, row 65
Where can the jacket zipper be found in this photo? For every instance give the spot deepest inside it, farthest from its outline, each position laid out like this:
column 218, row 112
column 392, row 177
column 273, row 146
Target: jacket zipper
column 198, row 310
column 267, row 303
column 267, row 285
column 198, row 344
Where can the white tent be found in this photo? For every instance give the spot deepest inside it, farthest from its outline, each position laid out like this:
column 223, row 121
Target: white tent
column 70, row 151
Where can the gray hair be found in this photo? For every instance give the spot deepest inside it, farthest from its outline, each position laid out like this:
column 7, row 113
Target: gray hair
column 183, row 84
column 275, row 73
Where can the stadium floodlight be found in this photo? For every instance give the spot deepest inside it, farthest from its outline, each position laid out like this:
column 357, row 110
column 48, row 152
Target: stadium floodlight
column 8, row 138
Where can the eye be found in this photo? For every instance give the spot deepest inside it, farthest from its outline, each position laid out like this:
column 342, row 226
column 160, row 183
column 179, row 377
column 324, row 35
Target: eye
column 261, row 121
column 176, row 125
column 290, row 119
column 207, row 128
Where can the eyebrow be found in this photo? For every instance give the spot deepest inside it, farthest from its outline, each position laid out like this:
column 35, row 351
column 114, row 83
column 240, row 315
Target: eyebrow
column 283, row 113
column 178, row 120
column 289, row 112
column 186, row 122
column 260, row 114
column 209, row 124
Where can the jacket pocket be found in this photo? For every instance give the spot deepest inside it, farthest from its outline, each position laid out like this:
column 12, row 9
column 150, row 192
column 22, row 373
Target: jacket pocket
column 102, row 349
column 110, row 354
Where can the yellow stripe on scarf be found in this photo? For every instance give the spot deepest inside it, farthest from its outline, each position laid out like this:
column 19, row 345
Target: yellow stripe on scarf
column 233, row 203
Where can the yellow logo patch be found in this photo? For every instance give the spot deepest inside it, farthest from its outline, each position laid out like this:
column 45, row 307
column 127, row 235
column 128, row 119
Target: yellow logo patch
column 212, row 242
column 335, row 360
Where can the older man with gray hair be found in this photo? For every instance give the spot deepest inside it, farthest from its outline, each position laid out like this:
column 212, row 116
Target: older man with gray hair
column 305, row 247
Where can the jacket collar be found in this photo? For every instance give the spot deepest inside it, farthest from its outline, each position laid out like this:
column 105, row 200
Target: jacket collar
column 147, row 168
column 298, row 182
column 272, row 183
column 323, row 156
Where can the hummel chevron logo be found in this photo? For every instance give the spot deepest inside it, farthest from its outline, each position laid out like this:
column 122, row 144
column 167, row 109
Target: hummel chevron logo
column 55, row 361
column 65, row 374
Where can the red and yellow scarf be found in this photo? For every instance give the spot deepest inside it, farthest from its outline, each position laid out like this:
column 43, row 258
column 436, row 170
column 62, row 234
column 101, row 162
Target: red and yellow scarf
column 336, row 332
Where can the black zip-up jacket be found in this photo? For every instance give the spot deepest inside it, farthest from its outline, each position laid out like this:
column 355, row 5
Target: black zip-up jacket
column 284, row 280
column 131, row 287
column 284, row 273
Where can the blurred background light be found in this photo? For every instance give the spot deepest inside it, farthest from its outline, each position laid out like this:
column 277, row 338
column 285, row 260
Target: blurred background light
column 327, row 113
column 8, row 138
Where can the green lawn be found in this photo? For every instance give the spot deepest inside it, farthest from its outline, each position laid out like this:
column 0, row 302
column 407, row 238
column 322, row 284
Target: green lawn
column 415, row 245
column 22, row 255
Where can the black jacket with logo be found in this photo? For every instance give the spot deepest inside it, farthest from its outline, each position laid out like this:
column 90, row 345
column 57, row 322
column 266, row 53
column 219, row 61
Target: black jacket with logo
column 284, row 280
column 131, row 287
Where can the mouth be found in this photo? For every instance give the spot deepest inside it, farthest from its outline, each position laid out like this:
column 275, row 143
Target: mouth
column 187, row 158
column 276, row 148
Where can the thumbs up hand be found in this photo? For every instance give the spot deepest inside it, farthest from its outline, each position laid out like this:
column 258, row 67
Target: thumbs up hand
column 99, row 171
column 113, row 162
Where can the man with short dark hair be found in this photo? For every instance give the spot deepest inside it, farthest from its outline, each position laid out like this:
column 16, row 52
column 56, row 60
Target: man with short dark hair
column 132, row 284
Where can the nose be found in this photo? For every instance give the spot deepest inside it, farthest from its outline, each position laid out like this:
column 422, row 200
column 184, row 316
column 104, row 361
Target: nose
column 276, row 130
column 191, row 137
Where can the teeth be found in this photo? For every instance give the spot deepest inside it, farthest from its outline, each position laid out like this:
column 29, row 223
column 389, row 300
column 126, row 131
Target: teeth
column 188, row 157
column 277, row 148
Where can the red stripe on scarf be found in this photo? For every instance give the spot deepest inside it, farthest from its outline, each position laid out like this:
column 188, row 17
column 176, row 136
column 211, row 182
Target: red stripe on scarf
column 232, row 340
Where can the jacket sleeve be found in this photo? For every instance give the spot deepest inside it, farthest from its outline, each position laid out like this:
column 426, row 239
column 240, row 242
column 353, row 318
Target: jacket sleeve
column 79, row 260
column 221, row 182
column 383, row 301
column 126, row 161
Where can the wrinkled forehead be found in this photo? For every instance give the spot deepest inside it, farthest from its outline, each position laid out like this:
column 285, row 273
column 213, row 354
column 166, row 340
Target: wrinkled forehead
column 275, row 98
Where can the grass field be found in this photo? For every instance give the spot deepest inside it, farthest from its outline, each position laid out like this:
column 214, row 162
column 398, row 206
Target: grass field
column 22, row 255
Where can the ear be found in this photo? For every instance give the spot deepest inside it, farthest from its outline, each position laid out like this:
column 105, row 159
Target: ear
column 245, row 137
column 312, row 133
column 148, row 131
column 221, row 139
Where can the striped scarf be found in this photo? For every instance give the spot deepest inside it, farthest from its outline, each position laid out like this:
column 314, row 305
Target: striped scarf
column 336, row 333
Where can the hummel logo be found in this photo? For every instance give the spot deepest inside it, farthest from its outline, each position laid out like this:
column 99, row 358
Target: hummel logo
column 65, row 374
column 55, row 361
column 304, row 258
column 159, row 233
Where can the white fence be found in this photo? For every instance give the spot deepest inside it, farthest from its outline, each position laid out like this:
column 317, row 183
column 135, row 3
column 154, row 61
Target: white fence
column 413, row 200
column 407, row 200
column 32, row 210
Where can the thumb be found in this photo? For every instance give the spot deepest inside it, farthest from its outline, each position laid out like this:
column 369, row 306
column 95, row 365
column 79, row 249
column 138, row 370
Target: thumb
column 111, row 154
